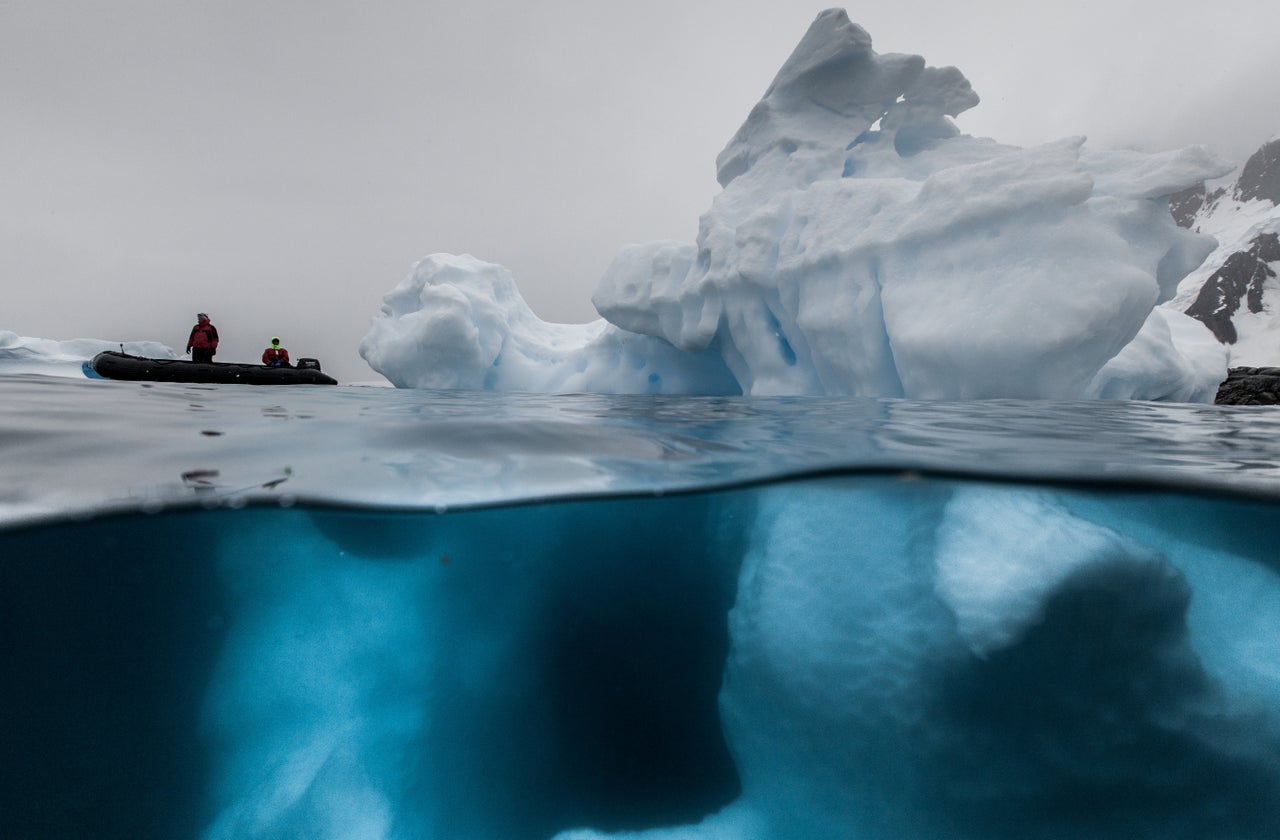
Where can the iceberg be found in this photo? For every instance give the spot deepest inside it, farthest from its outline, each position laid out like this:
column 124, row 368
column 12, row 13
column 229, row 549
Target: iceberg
column 467, row 320
column 861, row 246
column 50, row 357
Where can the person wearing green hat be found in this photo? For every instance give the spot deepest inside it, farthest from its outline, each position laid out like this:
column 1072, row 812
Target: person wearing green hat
column 275, row 355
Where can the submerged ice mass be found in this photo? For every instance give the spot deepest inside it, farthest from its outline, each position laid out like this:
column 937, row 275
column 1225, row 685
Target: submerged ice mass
column 903, row 659
column 861, row 246
column 833, row 658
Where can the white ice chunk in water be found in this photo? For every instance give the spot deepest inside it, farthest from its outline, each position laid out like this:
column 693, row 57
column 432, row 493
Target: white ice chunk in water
column 51, row 357
column 467, row 321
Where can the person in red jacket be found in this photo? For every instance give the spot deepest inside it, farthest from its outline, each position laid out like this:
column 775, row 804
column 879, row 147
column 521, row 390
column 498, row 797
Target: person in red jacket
column 203, row 341
column 275, row 355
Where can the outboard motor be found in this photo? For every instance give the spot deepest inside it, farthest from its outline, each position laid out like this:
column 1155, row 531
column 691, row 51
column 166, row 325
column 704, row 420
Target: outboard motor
column 308, row 364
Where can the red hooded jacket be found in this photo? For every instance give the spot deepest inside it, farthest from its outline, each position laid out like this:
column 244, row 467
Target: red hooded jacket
column 275, row 357
column 203, row 334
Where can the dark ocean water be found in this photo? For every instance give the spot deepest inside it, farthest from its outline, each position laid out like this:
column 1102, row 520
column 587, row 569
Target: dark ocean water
column 359, row 612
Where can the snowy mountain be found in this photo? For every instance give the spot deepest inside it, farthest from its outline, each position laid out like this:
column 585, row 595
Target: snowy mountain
column 1235, row 292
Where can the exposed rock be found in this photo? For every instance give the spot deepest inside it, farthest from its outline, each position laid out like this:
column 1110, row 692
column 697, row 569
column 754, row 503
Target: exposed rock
column 1239, row 279
column 1185, row 204
column 1250, row 386
column 1260, row 178
column 1211, row 200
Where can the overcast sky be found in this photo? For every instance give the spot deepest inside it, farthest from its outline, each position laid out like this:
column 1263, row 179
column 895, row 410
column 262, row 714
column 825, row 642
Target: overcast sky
column 282, row 165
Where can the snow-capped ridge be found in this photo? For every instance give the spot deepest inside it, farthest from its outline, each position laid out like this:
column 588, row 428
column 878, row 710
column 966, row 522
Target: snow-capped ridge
column 1260, row 177
column 1240, row 280
column 1234, row 292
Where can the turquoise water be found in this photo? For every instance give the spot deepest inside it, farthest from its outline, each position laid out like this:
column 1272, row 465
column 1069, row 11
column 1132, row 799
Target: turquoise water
column 246, row 612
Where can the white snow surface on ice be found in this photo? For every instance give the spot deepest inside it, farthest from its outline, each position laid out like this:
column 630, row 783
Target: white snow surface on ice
column 861, row 246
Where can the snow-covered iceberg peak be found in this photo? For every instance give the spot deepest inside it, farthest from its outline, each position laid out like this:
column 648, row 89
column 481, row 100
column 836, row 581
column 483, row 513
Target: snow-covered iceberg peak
column 863, row 246
column 832, row 89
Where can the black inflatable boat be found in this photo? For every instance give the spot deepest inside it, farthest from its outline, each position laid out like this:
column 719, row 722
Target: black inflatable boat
column 113, row 365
